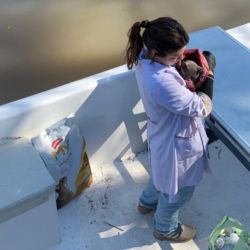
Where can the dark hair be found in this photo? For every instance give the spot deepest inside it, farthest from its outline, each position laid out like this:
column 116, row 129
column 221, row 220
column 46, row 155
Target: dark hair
column 163, row 34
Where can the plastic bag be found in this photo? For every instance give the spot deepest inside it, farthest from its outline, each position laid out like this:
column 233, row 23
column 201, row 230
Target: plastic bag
column 63, row 150
column 243, row 242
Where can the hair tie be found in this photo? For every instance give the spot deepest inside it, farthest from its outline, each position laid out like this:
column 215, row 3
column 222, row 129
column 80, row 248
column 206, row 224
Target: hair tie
column 144, row 24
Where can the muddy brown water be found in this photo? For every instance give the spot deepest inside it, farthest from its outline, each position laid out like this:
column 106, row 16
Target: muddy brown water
column 44, row 44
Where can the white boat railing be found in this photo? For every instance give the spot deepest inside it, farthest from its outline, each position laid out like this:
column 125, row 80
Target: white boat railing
column 107, row 106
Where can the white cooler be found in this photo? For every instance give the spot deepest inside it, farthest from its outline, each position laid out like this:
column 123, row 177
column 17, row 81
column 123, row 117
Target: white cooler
column 28, row 214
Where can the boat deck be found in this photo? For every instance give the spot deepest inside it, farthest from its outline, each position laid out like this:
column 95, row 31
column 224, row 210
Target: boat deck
column 105, row 215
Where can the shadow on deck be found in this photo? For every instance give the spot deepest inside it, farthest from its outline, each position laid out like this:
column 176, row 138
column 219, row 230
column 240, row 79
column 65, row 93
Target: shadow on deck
column 105, row 215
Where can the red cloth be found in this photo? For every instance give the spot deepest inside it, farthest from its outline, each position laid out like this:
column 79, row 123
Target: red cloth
column 197, row 56
column 190, row 85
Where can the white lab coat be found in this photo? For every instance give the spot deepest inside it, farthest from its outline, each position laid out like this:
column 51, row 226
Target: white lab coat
column 177, row 140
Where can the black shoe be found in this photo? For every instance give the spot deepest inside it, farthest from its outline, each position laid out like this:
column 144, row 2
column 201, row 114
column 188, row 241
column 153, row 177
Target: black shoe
column 211, row 60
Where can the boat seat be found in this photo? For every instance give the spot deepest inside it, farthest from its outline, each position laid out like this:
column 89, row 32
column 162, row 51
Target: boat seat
column 27, row 208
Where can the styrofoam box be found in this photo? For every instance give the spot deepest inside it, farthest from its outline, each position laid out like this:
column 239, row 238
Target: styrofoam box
column 28, row 214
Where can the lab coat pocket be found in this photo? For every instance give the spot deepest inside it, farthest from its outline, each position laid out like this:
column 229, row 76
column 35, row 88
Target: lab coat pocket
column 188, row 147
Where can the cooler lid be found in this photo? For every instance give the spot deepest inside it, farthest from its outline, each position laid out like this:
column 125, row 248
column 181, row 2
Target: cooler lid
column 231, row 96
column 23, row 175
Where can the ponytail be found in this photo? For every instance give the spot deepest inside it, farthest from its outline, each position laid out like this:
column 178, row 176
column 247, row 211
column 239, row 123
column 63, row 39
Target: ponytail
column 134, row 46
column 164, row 34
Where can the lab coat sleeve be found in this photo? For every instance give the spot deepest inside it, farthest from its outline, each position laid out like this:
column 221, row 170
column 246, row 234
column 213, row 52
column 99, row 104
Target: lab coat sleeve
column 168, row 93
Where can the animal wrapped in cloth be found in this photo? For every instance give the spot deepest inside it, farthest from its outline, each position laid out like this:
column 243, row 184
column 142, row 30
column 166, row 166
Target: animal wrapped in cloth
column 193, row 68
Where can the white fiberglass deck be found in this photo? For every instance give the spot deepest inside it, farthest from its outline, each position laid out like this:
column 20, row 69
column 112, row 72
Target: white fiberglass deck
column 111, row 116
column 105, row 215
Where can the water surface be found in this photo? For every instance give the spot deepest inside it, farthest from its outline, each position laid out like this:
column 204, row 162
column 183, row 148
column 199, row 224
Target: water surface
column 45, row 44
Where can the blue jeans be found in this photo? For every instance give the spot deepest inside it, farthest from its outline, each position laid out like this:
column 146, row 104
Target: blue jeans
column 166, row 215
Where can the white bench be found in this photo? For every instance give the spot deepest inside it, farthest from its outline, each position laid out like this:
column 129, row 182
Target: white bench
column 28, row 214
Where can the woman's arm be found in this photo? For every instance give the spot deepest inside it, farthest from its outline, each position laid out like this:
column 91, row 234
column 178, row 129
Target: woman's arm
column 170, row 94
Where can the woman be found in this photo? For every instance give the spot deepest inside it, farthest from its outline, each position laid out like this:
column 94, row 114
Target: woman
column 177, row 141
